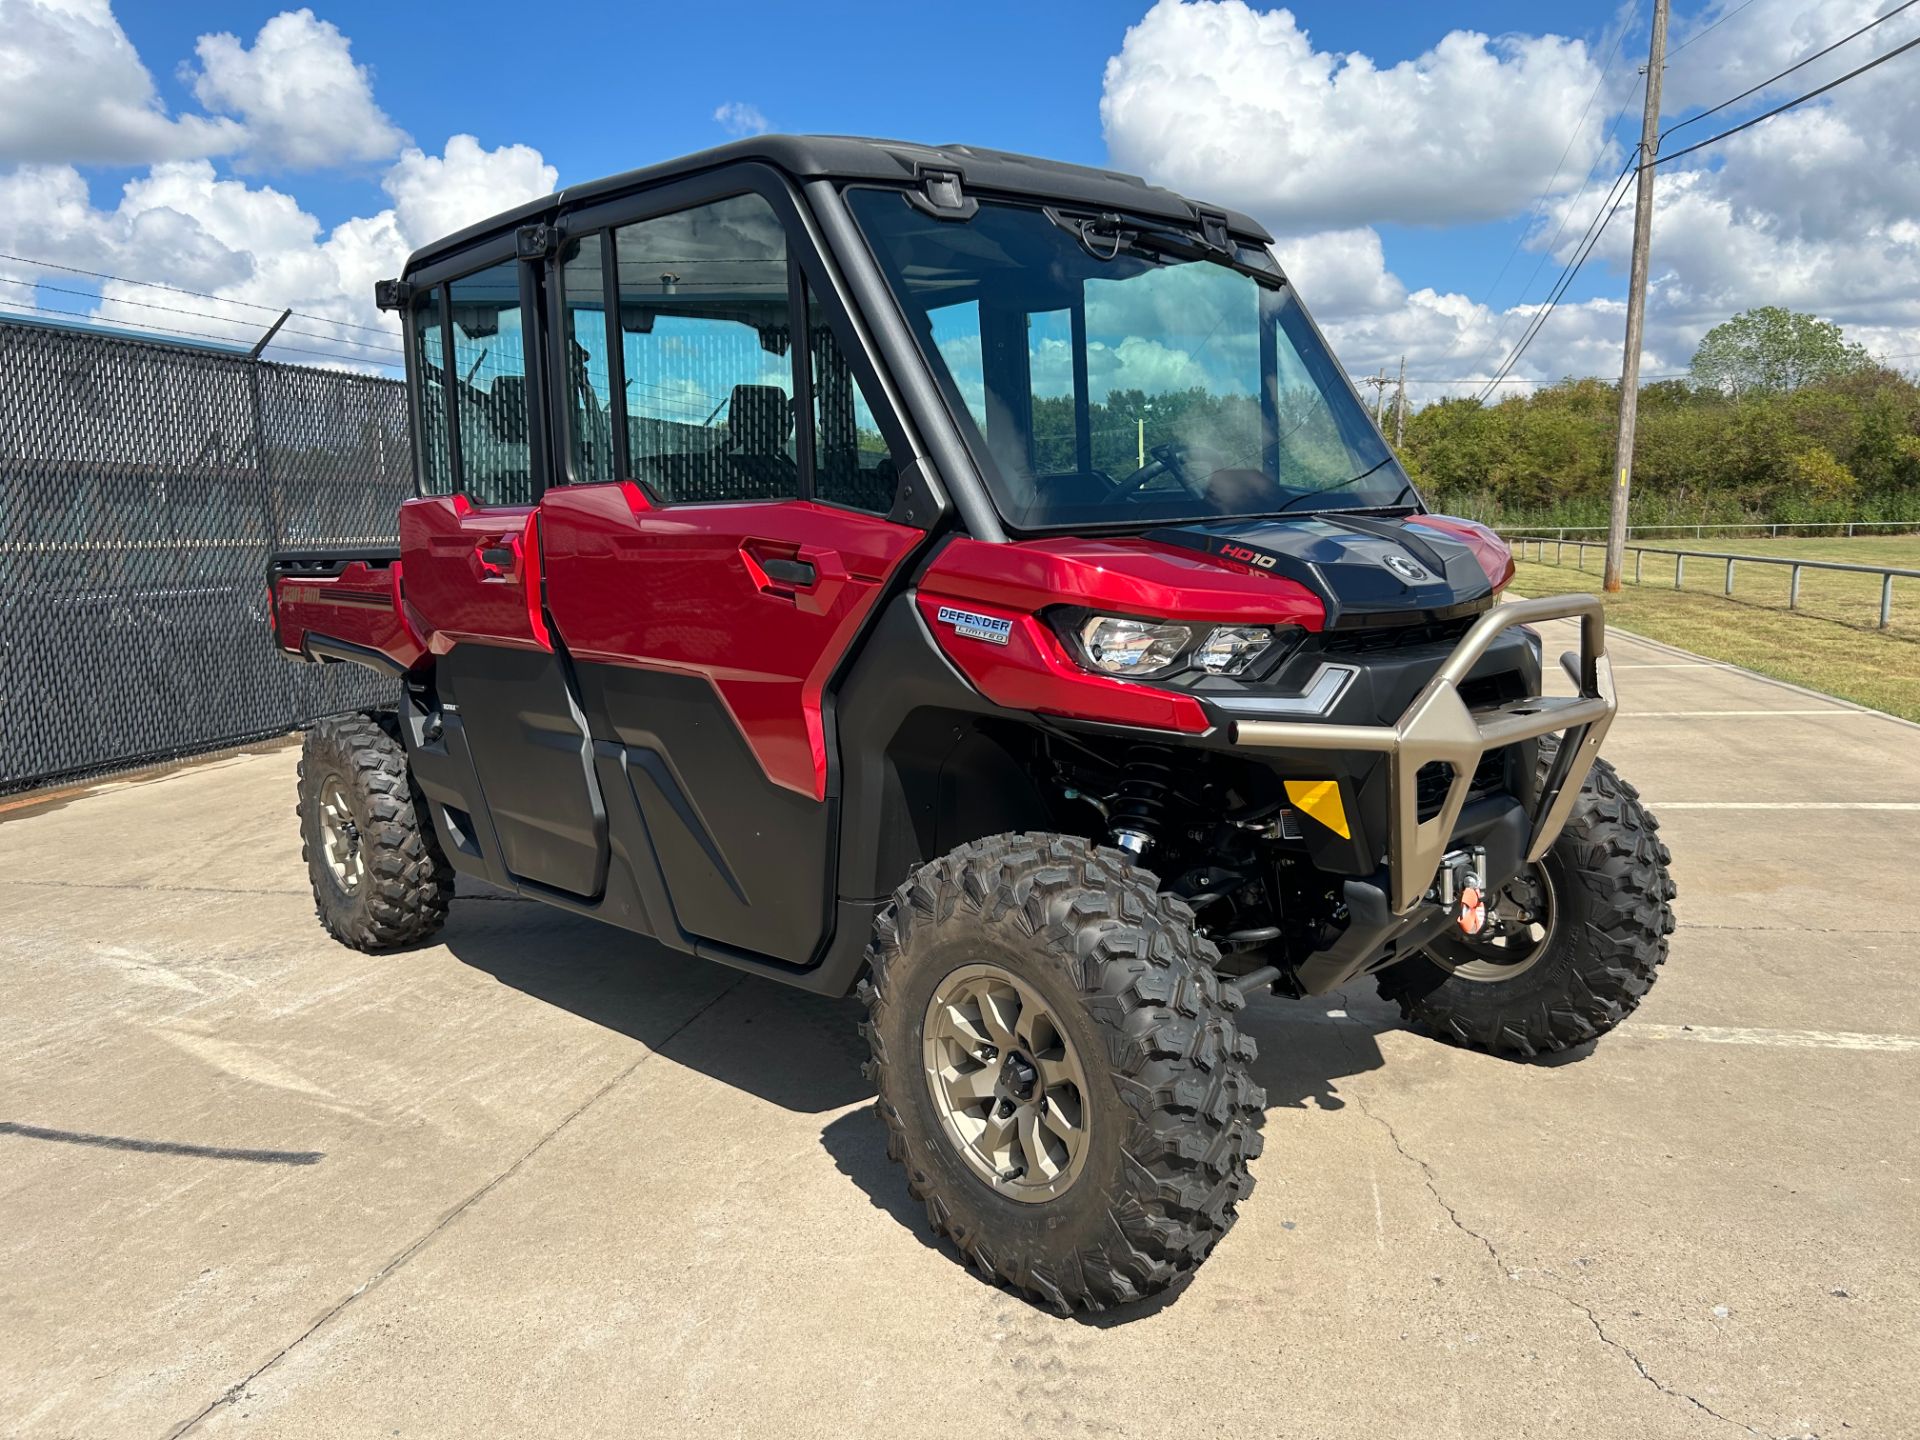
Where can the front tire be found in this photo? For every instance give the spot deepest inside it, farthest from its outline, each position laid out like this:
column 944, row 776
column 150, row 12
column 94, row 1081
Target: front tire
column 380, row 880
column 1059, row 1070
column 1600, row 898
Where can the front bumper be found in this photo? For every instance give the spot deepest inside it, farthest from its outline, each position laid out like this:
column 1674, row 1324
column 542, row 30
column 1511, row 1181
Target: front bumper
column 1438, row 726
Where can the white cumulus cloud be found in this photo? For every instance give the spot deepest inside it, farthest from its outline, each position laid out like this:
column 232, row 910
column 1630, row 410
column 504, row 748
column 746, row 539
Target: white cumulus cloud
column 254, row 249
column 1236, row 103
column 73, row 90
column 1818, row 210
column 434, row 195
column 303, row 101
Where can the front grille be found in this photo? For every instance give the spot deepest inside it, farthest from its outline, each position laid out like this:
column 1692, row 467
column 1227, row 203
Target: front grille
column 1430, row 785
column 1374, row 639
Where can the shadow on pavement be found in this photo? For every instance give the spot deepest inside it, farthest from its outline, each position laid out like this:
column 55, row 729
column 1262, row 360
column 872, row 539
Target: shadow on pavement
column 1303, row 1055
column 798, row 1051
column 803, row 1052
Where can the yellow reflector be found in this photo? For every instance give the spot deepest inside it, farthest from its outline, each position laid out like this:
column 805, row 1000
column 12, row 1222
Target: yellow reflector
column 1321, row 800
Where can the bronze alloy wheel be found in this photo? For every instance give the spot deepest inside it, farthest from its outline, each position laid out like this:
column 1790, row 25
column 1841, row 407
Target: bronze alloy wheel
column 1006, row 1083
column 340, row 836
column 1526, row 911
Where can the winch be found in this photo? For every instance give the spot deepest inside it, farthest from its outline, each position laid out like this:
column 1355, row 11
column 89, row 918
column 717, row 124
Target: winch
column 1460, row 888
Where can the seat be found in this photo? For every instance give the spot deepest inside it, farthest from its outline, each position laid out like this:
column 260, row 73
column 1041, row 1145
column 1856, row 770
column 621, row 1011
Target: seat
column 759, row 426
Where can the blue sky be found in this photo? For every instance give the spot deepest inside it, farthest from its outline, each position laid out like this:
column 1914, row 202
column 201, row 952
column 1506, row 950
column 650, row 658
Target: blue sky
column 645, row 83
column 1404, row 155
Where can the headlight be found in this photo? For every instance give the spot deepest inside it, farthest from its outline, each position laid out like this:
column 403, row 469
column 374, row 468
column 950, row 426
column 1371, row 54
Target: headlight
column 1232, row 648
column 1132, row 647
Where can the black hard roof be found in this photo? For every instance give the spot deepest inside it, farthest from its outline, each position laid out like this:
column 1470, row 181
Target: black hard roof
column 848, row 157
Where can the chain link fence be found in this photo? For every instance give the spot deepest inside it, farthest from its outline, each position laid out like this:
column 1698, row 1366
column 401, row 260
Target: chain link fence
column 142, row 487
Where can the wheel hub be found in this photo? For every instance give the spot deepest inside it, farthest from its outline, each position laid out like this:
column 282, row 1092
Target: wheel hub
column 1018, row 1077
column 340, row 837
column 1519, row 933
column 1006, row 1083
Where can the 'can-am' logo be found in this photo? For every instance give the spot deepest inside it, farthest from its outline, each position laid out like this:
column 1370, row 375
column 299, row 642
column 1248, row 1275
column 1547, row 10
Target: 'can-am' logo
column 1247, row 557
column 1407, row 569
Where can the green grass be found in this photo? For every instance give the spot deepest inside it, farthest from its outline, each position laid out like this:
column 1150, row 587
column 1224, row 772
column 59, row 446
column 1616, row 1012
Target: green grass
column 1832, row 642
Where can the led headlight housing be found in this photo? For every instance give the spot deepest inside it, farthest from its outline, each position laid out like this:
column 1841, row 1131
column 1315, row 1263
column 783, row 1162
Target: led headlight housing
column 1120, row 646
column 1230, row 649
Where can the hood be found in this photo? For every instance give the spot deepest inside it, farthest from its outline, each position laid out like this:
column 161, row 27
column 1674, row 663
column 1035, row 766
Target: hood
column 1366, row 570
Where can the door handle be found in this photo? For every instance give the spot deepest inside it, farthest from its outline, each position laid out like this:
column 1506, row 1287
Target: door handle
column 790, row 572
column 497, row 557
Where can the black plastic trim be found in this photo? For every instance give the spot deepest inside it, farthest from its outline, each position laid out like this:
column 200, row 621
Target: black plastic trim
column 325, row 647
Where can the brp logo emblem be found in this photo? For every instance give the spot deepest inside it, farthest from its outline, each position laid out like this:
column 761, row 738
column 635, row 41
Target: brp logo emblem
column 1407, row 569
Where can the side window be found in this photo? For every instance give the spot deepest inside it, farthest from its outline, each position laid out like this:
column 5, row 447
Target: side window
column 436, row 457
column 851, row 463
column 705, row 345
column 489, row 376
column 588, row 383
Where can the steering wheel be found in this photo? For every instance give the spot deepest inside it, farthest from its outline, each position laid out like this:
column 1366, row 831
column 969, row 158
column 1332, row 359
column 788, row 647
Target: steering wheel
column 1168, row 458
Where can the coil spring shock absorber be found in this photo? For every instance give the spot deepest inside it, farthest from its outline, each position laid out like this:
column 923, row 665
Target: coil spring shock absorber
column 1141, row 802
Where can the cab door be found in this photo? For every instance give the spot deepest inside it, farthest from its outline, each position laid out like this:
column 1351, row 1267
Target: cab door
column 512, row 773
column 708, row 579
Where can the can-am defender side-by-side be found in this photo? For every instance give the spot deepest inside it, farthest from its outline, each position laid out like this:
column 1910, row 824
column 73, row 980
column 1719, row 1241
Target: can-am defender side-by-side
column 971, row 580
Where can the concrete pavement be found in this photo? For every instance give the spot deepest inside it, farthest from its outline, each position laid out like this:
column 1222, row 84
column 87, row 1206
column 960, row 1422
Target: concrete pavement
column 541, row 1179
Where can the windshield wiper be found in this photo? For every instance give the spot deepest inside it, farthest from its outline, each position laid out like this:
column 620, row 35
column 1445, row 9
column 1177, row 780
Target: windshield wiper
column 1105, row 236
column 1341, row 485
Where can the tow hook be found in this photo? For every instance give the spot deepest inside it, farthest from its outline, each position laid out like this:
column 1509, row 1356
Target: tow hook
column 1460, row 888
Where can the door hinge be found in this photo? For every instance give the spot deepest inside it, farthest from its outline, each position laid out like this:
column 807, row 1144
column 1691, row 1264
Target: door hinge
column 942, row 196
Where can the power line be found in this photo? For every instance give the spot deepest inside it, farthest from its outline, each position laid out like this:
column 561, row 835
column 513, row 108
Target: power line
column 1574, row 267
column 1797, row 100
column 1566, row 214
column 1704, row 33
column 1596, row 227
column 1547, row 190
column 1797, row 65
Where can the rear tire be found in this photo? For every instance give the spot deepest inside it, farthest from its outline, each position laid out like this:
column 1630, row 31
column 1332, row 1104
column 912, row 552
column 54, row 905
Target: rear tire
column 1150, row 1068
column 1606, row 880
column 380, row 880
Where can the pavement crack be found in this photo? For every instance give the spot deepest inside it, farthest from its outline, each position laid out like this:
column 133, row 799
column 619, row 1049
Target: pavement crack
column 1510, row 1272
column 238, row 1390
column 165, row 889
column 1426, row 1170
column 1640, row 1365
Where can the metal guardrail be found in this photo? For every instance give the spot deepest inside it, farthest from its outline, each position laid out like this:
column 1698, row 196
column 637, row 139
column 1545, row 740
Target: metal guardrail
column 1887, row 574
column 1772, row 529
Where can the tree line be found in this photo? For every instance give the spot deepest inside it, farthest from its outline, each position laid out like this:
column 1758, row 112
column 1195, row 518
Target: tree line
column 1781, row 418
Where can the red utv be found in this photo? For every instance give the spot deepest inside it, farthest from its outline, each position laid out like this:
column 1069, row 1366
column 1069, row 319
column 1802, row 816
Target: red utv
column 973, row 580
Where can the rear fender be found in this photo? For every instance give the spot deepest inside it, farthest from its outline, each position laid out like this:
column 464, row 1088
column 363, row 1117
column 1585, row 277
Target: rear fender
column 343, row 608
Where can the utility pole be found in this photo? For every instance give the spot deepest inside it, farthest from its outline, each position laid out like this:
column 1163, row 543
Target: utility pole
column 1379, row 384
column 1636, row 303
column 1400, row 407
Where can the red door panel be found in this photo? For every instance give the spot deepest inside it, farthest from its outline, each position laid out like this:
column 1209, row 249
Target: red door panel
column 472, row 574
column 760, row 598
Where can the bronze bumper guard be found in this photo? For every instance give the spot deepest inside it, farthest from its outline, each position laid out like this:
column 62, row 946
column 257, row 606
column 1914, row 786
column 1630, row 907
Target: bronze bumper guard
column 1439, row 726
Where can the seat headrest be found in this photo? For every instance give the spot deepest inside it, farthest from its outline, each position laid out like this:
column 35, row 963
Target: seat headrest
column 759, row 420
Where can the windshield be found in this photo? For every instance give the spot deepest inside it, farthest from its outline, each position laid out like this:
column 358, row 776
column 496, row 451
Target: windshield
column 1114, row 381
